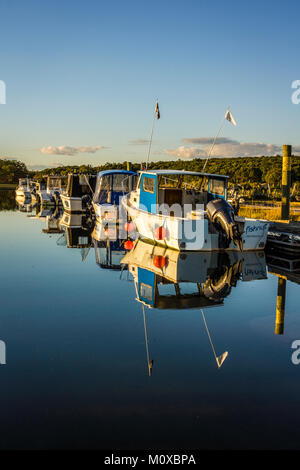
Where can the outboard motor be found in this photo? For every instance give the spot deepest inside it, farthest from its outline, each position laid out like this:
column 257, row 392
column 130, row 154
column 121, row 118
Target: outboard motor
column 221, row 214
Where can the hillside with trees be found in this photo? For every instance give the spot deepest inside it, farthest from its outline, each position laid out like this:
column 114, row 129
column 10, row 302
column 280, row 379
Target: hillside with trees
column 258, row 177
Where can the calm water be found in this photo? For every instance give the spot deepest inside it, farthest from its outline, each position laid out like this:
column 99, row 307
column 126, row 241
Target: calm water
column 76, row 372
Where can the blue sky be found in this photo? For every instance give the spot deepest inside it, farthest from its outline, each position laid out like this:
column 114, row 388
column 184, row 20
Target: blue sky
column 86, row 75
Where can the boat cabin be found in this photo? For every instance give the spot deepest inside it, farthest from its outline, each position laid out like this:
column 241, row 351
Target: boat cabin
column 54, row 183
column 112, row 185
column 158, row 187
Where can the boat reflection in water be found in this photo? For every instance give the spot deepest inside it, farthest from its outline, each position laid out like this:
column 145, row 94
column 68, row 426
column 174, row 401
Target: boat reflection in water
column 77, row 232
column 109, row 248
column 53, row 222
column 24, row 205
column 169, row 279
column 164, row 277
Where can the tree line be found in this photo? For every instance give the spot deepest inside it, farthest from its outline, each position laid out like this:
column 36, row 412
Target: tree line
column 249, row 172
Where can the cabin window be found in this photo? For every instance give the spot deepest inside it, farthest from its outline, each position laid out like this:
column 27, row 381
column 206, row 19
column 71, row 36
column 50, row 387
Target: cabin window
column 149, row 184
column 121, row 183
column 217, row 187
column 103, row 189
column 146, row 291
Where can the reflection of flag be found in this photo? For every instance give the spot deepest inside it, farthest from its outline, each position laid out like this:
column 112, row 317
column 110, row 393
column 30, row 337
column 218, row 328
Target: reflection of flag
column 157, row 110
column 221, row 359
column 229, row 117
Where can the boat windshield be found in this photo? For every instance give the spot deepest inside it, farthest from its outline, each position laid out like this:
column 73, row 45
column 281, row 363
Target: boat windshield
column 108, row 187
column 189, row 189
column 196, row 182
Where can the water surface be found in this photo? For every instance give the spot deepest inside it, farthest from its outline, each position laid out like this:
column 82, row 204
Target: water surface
column 76, row 372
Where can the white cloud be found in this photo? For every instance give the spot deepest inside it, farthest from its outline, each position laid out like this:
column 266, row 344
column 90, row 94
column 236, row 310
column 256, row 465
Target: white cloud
column 225, row 147
column 139, row 142
column 68, row 150
column 186, row 152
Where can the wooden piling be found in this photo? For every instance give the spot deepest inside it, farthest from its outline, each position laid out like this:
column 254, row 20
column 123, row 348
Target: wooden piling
column 286, row 181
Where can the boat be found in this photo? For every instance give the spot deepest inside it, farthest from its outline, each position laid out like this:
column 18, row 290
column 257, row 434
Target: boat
column 24, row 189
column 188, row 211
column 78, row 194
column 48, row 190
column 111, row 186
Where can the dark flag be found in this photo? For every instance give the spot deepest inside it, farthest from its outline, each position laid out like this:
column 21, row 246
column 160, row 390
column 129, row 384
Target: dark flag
column 157, row 110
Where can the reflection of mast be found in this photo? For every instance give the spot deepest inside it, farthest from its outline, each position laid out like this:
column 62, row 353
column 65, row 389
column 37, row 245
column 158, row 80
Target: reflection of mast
column 84, row 253
column 219, row 359
column 280, row 307
column 149, row 362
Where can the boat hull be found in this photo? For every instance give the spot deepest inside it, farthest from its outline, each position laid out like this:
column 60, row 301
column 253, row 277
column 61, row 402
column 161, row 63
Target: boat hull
column 195, row 233
column 106, row 212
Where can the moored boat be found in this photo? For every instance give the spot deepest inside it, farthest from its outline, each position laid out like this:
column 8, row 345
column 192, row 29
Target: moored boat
column 188, row 211
column 48, row 190
column 24, row 189
column 111, row 186
column 79, row 192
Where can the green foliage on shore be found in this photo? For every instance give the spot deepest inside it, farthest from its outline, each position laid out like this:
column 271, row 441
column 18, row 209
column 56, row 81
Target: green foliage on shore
column 240, row 170
column 250, row 172
column 12, row 170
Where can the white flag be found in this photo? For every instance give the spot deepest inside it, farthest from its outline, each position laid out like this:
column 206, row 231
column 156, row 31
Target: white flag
column 229, row 117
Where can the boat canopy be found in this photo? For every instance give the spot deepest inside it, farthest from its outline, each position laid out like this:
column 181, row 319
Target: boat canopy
column 54, row 182
column 79, row 185
column 182, row 172
column 113, row 184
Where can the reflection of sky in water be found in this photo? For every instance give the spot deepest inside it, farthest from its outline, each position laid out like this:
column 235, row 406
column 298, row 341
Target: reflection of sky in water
column 76, row 372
